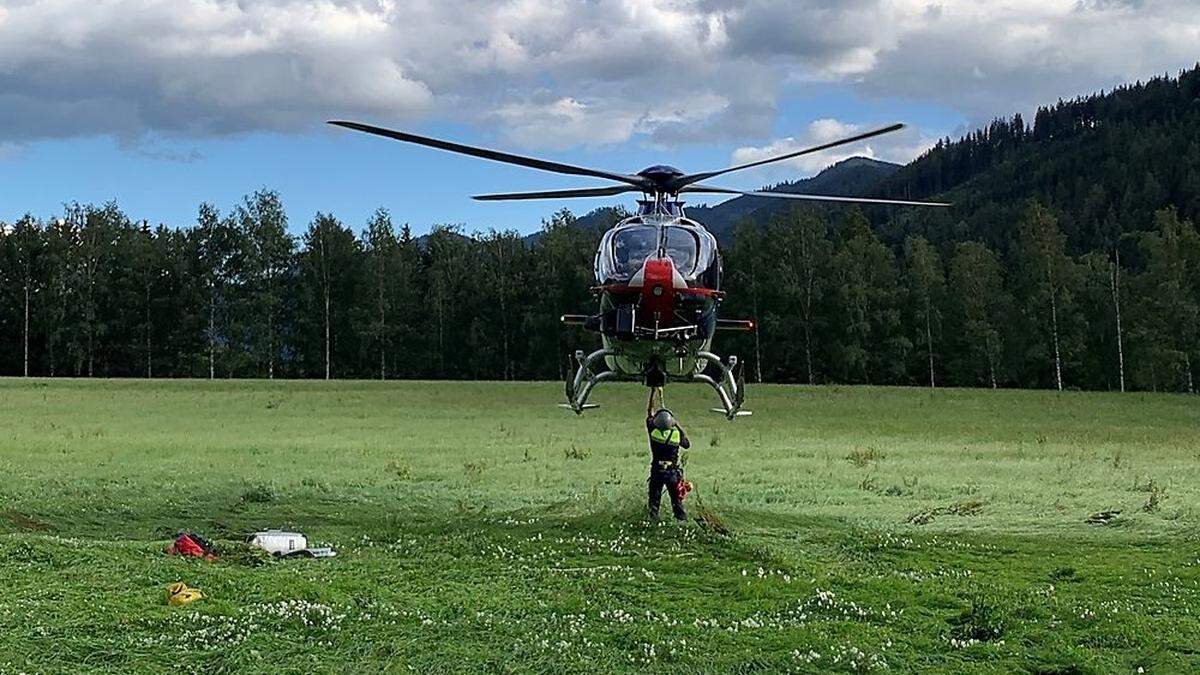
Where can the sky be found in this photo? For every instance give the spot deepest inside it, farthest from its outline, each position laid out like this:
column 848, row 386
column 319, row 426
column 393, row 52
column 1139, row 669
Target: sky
column 163, row 104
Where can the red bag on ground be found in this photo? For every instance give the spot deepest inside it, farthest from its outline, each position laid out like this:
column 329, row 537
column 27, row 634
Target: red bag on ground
column 190, row 545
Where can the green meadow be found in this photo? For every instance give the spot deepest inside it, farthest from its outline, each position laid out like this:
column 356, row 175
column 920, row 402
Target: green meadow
column 479, row 528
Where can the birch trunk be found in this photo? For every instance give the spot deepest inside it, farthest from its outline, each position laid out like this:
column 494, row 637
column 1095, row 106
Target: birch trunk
column 441, row 334
column 91, row 321
column 149, row 352
column 325, row 292
column 91, row 315
column 212, row 327
column 1116, row 298
column 929, row 341
column 991, row 362
column 757, row 343
column 1054, row 330
column 25, row 332
column 327, row 368
column 382, row 330
column 809, row 281
column 503, row 295
column 808, row 351
column 508, row 369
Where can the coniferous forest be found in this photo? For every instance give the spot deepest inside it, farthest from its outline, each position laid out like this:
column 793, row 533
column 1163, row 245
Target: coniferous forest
column 1071, row 259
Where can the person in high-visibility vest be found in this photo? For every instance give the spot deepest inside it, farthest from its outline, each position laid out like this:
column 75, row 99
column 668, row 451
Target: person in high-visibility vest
column 666, row 439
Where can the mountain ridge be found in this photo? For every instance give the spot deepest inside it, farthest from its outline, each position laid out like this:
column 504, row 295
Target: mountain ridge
column 850, row 177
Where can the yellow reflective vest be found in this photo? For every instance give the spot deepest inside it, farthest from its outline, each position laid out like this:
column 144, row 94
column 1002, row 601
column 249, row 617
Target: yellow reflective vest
column 668, row 436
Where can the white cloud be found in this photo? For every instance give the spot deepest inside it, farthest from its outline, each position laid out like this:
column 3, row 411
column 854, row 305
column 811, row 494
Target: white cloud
column 9, row 150
column 900, row 147
column 991, row 58
column 564, row 122
column 553, row 73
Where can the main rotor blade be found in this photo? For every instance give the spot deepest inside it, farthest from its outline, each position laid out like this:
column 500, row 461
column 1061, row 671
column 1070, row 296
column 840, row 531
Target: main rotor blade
column 494, row 155
column 558, row 194
column 697, row 177
column 711, row 189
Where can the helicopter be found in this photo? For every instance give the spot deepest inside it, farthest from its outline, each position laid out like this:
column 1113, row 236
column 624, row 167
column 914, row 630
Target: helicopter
column 657, row 272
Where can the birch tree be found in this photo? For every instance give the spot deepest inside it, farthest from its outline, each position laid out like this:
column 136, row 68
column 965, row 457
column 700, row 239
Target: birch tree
column 1048, row 277
column 744, row 262
column 328, row 266
column 27, row 243
column 381, row 262
column 268, row 252
column 1171, row 292
column 55, row 311
column 926, row 286
column 146, row 266
column 979, row 300
column 97, row 237
column 873, row 347
column 801, row 253
column 217, row 247
column 504, row 261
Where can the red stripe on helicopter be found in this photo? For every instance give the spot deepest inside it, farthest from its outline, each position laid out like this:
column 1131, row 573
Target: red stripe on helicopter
column 691, row 290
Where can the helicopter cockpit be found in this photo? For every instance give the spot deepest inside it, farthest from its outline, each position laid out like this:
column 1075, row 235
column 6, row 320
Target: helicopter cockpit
column 692, row 249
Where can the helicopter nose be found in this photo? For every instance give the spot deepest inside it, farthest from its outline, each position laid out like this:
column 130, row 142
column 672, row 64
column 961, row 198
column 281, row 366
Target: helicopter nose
column 657, row 273
column 658, row 280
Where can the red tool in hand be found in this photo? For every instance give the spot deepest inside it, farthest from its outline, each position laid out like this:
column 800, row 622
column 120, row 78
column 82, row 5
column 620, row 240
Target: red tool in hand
column 682, row 488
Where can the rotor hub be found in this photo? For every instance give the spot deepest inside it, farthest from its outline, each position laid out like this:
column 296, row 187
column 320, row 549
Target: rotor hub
column 660, row 176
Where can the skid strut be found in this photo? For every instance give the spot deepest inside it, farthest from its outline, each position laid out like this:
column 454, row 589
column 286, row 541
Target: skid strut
column 579, row 386
column 730, row 385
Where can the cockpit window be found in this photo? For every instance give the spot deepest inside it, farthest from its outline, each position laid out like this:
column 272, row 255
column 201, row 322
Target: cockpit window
column 682, row 247
column 631, row 247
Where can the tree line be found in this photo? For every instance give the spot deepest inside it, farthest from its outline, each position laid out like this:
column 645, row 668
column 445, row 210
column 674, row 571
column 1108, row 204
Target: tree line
column 95, row 293
column 835, row 303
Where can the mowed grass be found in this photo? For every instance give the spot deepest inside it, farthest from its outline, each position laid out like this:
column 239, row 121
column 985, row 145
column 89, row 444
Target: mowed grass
column 480, row 528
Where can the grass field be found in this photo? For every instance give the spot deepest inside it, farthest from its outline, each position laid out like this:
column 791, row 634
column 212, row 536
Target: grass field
column 480, row 528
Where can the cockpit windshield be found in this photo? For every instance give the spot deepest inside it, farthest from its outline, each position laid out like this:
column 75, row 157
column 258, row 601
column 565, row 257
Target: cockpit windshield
column 632, row 245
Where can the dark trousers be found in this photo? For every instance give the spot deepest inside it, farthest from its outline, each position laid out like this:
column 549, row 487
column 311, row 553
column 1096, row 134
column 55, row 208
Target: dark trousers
column 670, row 480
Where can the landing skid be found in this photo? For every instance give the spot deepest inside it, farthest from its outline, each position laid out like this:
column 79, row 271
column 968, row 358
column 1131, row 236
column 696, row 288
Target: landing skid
column 731, row 388
column 579, row 387
column 730, row 384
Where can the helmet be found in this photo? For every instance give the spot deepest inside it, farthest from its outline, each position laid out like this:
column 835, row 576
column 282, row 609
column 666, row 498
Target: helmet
column 663, row 419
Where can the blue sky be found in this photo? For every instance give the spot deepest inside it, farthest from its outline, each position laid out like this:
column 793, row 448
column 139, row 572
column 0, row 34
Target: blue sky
column 161, row 105
column 350, row 174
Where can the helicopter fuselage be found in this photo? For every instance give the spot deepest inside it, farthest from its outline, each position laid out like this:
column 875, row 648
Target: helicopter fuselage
column 658, row 280
column 658, row 285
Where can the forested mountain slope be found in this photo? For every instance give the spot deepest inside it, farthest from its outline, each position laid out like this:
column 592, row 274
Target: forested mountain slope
column 1103, row 163
column 1070, row 257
